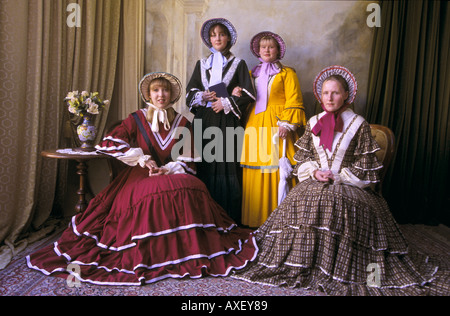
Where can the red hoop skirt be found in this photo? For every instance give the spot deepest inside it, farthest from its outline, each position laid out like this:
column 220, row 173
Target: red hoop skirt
column 143, row 229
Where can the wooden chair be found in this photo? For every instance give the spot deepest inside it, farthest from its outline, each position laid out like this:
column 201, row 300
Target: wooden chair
column 385, row 138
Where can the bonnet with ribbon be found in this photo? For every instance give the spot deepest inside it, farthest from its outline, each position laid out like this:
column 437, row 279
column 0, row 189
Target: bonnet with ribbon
column 264, row 70
column 216, row 62
column 159, row 115
column 332, row 121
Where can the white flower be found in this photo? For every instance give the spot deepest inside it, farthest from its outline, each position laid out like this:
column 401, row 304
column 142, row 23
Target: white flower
column 86, row 102
column 93, row 108
column 72, row 109
column 72, row 94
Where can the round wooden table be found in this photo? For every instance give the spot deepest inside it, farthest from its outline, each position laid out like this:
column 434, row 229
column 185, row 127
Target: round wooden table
column 82, row 158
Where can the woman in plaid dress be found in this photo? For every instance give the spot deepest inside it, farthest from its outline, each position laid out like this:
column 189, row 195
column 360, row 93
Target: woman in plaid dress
column 333, row 232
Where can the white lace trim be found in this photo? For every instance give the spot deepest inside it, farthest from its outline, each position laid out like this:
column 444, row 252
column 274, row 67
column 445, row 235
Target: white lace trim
column 168, row 275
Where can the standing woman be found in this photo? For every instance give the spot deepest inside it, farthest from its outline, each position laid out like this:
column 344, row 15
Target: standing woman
column 218, row 108
column 278, row 111
column 156, row 220
column 332, row 230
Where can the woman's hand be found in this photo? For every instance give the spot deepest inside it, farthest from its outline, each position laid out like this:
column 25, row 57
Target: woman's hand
column 324, row 176
column 157, row 172
column 283, row 132
column 209, row 96
column 151, row 164
column 217, row 106
column 153, row 168
column 237, row 92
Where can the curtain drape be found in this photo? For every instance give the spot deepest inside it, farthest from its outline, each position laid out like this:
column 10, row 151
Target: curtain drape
column 130, row 68
column 409, row 92
column 94, row 54
column 41, row 59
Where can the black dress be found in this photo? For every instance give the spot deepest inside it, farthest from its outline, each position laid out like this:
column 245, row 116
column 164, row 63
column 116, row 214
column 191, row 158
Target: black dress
column 221, row 145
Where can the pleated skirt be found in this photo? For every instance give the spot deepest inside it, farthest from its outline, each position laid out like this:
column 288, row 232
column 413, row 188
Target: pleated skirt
column 341, row 240
column 143, row 229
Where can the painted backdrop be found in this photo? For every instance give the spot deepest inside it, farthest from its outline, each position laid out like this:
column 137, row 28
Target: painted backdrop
column 317, row 34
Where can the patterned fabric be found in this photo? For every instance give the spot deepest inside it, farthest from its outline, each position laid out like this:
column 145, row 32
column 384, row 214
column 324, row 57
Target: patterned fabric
column 339, row 238
column 359, row 154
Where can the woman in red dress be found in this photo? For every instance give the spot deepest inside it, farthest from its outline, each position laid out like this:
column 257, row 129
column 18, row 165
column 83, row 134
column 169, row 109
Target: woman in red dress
column 155, row 220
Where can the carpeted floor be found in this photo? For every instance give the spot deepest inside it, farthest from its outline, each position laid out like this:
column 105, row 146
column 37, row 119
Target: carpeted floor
column 18, row 280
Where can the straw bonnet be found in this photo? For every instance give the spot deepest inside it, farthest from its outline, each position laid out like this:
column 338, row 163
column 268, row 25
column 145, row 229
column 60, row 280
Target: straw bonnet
column 336, row 70
column 144, row 85
column 204, row 33
column 254, row 43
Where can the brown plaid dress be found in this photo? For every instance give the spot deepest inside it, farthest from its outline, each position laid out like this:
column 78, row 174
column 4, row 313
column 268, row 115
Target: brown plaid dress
column 339, row 238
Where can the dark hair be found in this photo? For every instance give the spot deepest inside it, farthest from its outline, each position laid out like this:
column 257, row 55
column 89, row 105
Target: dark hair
column 226, row 51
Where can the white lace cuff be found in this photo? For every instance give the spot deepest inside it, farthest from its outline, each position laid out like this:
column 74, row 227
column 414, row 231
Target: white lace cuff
column 306, row 170
column 174, row 167
column 198, row 99
column 226, row 105
column 286, row 125
column 134, row 156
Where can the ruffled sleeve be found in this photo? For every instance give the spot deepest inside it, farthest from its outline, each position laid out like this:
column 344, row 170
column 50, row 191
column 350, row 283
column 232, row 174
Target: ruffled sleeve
column 117, row 144
column 366, row 166
column 195, row 90
column 238, row 71
column 238, row 105
column 294, row 111
column 305, row 156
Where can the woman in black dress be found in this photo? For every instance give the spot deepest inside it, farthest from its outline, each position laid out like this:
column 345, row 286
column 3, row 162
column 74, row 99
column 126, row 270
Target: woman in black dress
column 209, row 98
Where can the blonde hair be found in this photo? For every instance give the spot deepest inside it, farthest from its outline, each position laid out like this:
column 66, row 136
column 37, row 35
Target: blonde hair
column 160, row 82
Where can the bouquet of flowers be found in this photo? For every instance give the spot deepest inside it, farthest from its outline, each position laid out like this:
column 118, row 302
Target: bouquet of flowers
column 84, row 103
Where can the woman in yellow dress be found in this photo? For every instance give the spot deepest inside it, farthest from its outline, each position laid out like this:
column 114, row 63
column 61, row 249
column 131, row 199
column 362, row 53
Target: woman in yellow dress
column 277, row 115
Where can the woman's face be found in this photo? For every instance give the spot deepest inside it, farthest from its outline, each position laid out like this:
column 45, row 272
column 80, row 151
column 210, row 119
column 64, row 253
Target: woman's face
column 160, row 96
column 333, row 95
column 219, row 38
column 268, row 50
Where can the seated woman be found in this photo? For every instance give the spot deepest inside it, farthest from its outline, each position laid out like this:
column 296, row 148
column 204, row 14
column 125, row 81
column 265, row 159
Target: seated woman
column 155, row 220
column 332, row 232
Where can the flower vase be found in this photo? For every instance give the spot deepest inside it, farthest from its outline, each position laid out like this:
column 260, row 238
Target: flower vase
column 86, row 132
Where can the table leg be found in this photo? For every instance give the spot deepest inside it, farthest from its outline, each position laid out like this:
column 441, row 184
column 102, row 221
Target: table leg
column 82, row 172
